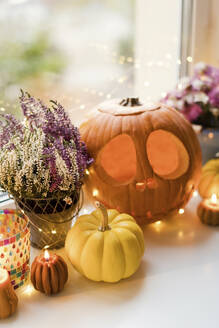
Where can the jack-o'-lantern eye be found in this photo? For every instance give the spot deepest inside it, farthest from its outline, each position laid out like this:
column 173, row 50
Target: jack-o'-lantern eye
column 166, row 154
column 118, row 159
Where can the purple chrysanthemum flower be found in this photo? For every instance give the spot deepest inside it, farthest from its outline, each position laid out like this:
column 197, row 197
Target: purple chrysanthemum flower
column 214, row 96
column 197, row 96
column 192, row 112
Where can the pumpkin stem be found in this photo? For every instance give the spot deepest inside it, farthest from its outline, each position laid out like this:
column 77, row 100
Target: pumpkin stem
column 131, row 102
column 104, row 225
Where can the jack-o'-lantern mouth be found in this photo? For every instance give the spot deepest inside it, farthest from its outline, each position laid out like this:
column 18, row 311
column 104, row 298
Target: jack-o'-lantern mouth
column 149, row 183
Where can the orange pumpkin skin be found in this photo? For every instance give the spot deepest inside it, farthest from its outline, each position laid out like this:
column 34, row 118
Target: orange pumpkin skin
column 148, row 196
column 49, row 278
column 8, row 299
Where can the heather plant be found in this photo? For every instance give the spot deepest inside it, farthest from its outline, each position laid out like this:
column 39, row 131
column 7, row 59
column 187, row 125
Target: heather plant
column 43, row 155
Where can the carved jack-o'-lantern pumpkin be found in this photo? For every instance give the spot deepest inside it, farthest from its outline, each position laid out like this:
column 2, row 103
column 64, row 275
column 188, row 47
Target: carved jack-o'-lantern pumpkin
column 147, row 158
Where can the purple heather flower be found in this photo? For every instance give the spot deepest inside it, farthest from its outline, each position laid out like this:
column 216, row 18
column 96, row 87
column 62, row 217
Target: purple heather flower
column 11, row 127
column 33, row 110
column 56, row 135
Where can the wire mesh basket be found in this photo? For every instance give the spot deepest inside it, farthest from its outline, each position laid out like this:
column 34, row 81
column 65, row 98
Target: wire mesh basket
column 50, row 218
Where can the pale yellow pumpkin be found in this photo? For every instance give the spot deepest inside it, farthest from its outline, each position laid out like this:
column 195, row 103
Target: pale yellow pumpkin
column 209, row 183
column 105, row 245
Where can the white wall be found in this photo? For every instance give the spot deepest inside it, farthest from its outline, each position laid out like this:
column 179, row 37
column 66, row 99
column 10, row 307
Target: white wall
column 157, row 46
column 206, row 39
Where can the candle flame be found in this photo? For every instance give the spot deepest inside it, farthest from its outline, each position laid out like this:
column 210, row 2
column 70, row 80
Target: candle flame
column 214, row 199
column 46, row 255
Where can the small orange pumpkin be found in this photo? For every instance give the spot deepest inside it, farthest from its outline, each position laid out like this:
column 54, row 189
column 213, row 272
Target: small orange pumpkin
column 8, row 297
column 147, row 158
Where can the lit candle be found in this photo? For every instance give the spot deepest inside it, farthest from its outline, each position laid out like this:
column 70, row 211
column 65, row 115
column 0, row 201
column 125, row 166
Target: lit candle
column 46, row 256
column 208, row 210
column 8, row 298
column 49, row 273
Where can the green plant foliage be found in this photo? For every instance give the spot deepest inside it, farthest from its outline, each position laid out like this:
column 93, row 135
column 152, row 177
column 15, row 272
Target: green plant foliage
column 20, row 61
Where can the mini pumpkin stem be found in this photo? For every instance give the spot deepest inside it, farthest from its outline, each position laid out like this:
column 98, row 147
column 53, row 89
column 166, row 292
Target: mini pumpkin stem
column 104, row 226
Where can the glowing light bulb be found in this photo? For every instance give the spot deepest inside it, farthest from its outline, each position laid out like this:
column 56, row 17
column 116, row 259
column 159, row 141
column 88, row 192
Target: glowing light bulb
column 149, row 64
column 29, row 290
column 168, row 56
column 189, row 59
column 53, row 232
column 108, row 96
column 210, row 135
column 158, row 226
column 45, row 247
column 158, row 223
column 181, row 210
column 195, row 193
column 146, row 83
column 2, row 109
column 40, row 230
column 95, row 192
column 46, row 255
column 82, row 106
column 87, row 172
column 121, row 80
column 163, row 94
column 129, row 59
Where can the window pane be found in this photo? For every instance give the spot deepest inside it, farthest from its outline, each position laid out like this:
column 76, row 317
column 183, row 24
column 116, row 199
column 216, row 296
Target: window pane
column 78, row 52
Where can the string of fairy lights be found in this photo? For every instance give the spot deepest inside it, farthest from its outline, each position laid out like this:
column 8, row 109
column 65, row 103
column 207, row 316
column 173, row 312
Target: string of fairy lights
column 105, row 94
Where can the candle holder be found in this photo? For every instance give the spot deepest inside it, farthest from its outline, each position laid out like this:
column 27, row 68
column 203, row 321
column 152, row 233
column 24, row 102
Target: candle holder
column 14, row 246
